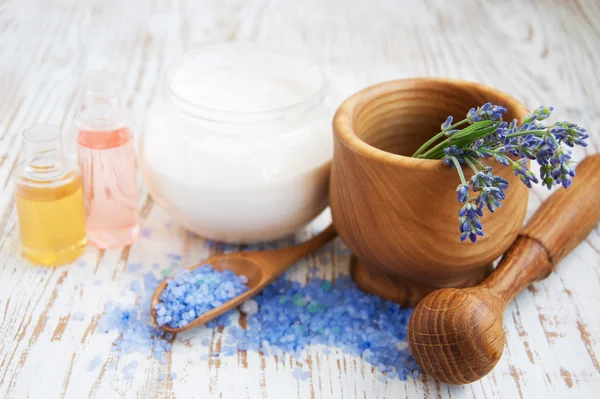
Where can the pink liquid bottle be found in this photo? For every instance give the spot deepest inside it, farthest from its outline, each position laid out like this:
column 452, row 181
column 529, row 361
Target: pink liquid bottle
column 106, row 156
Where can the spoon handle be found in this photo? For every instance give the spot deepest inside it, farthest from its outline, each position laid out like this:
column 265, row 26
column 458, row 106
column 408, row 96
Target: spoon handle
column 281, row 259
column 557, row 227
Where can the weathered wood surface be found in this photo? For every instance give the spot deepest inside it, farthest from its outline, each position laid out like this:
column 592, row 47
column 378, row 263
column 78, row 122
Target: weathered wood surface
column 540, row 51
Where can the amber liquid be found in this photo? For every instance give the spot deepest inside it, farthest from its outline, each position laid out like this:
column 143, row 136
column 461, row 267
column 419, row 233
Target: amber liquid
column 51, row 220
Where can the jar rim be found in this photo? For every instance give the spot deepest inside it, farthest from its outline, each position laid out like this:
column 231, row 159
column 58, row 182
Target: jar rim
column 215, row 114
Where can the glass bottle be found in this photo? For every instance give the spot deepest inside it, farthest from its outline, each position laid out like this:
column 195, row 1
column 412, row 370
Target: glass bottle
column 106, row 156
column 49, row 200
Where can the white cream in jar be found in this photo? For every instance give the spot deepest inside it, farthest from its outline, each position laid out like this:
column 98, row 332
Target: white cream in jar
column 238, row 146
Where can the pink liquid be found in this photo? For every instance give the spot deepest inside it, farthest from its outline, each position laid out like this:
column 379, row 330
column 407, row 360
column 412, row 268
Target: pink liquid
column 108, row 167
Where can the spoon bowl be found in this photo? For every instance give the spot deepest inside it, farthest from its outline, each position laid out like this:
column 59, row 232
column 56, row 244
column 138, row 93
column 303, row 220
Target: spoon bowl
column 259, row 267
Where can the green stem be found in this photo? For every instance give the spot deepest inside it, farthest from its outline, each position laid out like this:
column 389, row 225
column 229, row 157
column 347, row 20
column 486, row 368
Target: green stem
column 437, row 137
column 428, row 143
column 459, row 169
column 471, row 164
column 471, row 133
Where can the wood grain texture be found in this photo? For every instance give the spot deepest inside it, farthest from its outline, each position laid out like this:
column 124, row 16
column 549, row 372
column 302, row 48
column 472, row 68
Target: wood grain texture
column 456, row 335
column 538, row 51
column 399, row 214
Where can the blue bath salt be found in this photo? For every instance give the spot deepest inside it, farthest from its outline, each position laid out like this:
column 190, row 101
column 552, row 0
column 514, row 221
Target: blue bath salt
column 191, row 293
column 173, row 256
column 78, row 316
column 134, row 267
column 81, row 263
column 94, row 363
column 291, row 316
column 97, row 282
column 146, row 232
column 155, row 266
column 284, row 319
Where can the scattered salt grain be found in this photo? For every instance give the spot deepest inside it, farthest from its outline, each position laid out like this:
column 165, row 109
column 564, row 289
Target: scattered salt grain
column 173, row 375
column 135, row 286
column 203, row 357
column 94, row 363
column 146, row 233
column 249, row 307
column 228, row 350
column 301, row 374
column 133, row 267
column 191, row 293
column 97, row 282
column 161, row 377
column 166, row 272
column 78, row 316
column 81, row 263
column 173, row 256
column 155, row 266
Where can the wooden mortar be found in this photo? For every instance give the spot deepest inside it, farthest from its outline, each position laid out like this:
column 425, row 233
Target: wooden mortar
column 399, row 215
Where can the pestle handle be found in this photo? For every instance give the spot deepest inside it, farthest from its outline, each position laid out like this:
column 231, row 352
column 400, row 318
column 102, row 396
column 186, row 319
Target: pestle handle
column 557, row 227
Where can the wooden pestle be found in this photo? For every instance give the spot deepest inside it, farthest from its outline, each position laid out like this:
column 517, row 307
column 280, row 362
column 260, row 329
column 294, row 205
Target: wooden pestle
column 456, row 335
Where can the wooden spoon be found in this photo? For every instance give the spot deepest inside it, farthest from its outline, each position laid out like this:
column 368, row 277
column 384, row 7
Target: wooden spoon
column 260, row 267
column 456, row 335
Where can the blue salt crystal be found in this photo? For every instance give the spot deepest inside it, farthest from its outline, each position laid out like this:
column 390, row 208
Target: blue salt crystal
column 249, row 307
column 173, row 256
column 161, row 377
column 81, row 263
column 134, row 267
column 173, row 375
column 78, row 316
column 301, row 374
column 42, row 270
column 228, row 350
column 94, row 363
column 146, row 232
column 191, row 293
column 135, row 286
column 203, row 357
column 133, row 364
column 155, row 266
column 97, row 282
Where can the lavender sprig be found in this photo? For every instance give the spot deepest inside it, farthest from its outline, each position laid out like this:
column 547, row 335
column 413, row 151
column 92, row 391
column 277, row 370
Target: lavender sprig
column 488, row 136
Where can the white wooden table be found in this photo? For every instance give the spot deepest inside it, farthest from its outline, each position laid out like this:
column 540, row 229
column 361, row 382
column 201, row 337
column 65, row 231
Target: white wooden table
column 540, row 51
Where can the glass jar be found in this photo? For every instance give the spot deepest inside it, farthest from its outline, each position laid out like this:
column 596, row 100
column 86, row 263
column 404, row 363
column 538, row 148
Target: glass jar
column 238, row 145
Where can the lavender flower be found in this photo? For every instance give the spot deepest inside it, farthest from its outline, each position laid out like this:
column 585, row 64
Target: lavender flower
column 486, row 112
column 488, row 136
column 462, row 192
column 470, row 224
column 447, row 123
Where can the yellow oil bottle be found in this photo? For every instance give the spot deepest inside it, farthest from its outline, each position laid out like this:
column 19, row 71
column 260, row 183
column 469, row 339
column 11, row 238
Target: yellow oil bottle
column 49, row 200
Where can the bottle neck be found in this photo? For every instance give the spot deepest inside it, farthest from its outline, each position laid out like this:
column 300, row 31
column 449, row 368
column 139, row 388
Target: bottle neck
column 101, row 105
column 43, row 154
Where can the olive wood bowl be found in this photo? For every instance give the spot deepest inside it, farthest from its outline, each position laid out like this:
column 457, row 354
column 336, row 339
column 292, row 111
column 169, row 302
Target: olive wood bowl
column 398, row 214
